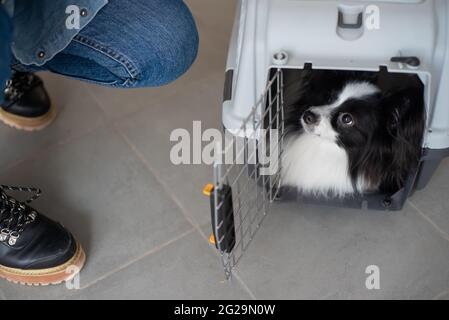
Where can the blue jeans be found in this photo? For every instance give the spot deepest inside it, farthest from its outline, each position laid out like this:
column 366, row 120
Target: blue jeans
column 5, row 49
column 129, row 44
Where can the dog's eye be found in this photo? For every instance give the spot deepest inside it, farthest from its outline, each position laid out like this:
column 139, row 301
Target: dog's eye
column 346, row 119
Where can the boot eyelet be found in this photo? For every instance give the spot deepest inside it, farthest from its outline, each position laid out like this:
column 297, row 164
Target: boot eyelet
column 13, row 236
column 4, row 234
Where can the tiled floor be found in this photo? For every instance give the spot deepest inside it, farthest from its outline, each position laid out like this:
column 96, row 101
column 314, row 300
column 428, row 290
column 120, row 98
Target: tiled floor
column 105, row 170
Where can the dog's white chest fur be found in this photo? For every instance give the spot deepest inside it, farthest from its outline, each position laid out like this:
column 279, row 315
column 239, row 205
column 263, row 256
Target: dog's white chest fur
column 316, row 166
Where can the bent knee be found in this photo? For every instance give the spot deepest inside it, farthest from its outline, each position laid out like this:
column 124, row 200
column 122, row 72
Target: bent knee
column 173, row 48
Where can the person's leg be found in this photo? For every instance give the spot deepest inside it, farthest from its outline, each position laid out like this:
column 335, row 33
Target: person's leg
column 137, row 43
column 128, row 44
column 24, row 103
column 5, row 48
column 33, row 249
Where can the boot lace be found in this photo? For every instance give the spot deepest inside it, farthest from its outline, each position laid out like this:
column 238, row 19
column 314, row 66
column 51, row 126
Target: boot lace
column 14, row 214
column 19, row 83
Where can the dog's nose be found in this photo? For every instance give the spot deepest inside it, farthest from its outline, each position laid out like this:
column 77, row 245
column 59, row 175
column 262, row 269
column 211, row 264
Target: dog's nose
column 309, row 117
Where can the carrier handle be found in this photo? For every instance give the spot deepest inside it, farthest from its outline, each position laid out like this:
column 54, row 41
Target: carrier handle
column 410, row 61
column 343, row 25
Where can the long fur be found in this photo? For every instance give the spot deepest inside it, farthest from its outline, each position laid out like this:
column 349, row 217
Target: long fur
column 376, row 154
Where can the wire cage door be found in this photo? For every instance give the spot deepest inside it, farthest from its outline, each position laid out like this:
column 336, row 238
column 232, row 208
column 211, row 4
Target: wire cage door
column 244, row 188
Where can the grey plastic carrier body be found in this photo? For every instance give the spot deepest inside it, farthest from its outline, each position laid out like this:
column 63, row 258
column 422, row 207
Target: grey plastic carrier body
column 272, row 36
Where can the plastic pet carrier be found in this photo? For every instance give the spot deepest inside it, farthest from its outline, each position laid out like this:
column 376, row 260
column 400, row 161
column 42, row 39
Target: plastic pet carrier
column 274, row 38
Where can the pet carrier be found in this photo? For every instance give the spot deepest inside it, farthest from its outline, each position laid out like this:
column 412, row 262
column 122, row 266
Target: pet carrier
column 274, row 37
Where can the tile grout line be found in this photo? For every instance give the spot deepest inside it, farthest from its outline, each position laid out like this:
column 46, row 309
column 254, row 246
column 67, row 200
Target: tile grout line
column 45, row 150
column 113, row 124
column 100, row 105
column 69, row 139
column 150, row 168
column 113, row 120
column 440, row 295
column 139, row 258
column 236, row 275
column 175, row 200
column 442, row 233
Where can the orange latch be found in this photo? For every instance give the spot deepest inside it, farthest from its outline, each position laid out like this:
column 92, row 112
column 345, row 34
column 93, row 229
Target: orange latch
column 207, row 191
column 212, row 238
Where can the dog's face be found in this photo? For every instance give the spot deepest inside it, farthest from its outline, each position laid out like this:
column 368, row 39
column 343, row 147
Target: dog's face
column 380, row 131
column 349, row 119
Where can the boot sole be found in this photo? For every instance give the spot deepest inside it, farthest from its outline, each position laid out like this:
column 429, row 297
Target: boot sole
column 26, row 123
column 44, row 277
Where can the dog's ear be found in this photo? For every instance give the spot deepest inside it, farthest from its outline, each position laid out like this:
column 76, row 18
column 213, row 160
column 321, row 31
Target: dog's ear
column 405, row 113
column 404, row 121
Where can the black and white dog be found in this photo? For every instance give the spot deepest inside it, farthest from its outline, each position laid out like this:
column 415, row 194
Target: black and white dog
column 347, row 135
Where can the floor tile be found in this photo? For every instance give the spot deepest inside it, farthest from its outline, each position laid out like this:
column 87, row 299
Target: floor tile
column 105, row 169
column 310, row 252
column 213, row 16
column 187, row 269
column 443, row 296
column 215, row 32
column 149, row 131
column 107, row 197
column 432, row 201
column 77, row 113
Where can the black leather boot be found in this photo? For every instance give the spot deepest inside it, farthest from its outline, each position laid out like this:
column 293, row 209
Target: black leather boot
column 26, row 103
column 34, row 250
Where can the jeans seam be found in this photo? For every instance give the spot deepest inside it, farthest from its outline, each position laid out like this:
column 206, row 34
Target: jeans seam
column 112, row 54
